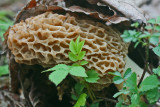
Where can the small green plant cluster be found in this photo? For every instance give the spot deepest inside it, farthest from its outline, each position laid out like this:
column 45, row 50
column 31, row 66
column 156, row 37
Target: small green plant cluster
column 151, row 32
column 147, row 89
column 3, row 70
column 156, row 50
column 80, row 95
column 60, row 72
column 5, row 22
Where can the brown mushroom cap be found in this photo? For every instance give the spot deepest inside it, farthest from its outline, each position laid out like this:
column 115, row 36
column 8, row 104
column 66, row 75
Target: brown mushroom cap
column 44, row 40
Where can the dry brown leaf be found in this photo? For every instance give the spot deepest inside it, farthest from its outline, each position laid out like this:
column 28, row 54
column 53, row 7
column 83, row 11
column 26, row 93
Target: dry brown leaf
column 32, row 4
column 126, row 8
column 104, row 13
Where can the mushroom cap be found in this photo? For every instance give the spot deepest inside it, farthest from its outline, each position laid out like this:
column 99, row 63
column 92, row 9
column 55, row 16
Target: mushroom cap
column 44, row 40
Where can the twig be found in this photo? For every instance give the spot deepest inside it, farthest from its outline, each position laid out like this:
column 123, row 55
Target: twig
column 112, row 100
column 108, row 99
column 150, row 68
column 142, row 77
column 146, row 63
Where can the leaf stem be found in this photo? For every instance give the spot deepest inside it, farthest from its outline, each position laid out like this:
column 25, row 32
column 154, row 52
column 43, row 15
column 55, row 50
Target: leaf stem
column 90, row 92
column 112, row 100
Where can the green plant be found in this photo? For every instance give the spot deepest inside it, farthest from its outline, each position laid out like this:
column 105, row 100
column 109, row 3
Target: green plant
column 131, row 90
column 3, row 70
column 146, row 35
column 148, row 89
column 5, row 22
column 156, row 50
column 61, row 71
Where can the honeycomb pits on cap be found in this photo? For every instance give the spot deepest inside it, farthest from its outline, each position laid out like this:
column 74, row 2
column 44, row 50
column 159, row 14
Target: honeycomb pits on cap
column 44, row 40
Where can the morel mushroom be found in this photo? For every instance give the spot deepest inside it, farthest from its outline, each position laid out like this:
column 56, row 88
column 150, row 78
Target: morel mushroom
column 44, row 40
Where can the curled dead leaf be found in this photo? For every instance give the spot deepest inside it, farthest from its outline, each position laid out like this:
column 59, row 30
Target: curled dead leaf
column 31, row 4
column 104, row 13
column 127, row 8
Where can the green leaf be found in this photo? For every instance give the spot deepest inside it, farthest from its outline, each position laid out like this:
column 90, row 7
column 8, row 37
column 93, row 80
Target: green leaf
column 144, row 44
column 120, row 104
column 80, row 46
column 74, row 97
column 154, row 40
column 117, row 80
column 75, row 64
column 152, row 95
column 83, row 63
column 157, row 71
column 126, row 36
column 120, row 92
column 137, row 43
column 61, row 67
column 78, row 71
column 81, row 100
column 4, row 24
column 133, row 105
column 152, row 21
column 131, row 83
column 94, row 105
column 3, row 13
column 92, row 76
column 127, row 39
column 79, row 88
column 149, row 27
column 4, row 70
column 57, row 76
column 73, row 57
column 77, row 40
column 156, row 34
column 156, row 50
column 142, row 104
column 135, row 99
column 127, row 73
column 72, row 47
column 81, row 55
column 144, row 36
column 158, row 20
column 149, row 83
column 116, row 73
column 135, row 36
column 130, row 35
column 157, row 28
column 135, row 24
